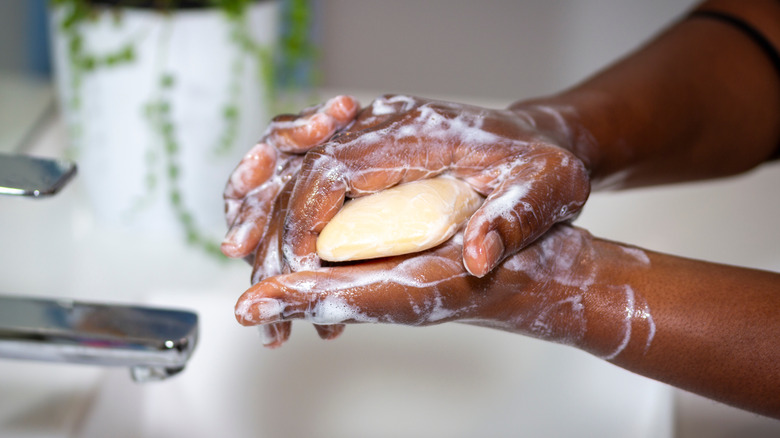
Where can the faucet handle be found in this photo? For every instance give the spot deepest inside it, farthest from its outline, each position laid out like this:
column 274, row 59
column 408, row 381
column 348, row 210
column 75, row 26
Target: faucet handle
column 23, row 175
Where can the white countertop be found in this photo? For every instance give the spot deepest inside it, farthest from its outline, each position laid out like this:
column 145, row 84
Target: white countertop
column 54, row 247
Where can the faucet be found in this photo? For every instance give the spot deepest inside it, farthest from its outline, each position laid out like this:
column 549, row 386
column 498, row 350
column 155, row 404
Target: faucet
column 154, row 343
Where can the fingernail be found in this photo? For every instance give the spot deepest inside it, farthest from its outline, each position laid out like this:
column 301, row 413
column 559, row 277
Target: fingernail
column 494, row 250
column 230, row 247
column 259, row 311
column 235, row 242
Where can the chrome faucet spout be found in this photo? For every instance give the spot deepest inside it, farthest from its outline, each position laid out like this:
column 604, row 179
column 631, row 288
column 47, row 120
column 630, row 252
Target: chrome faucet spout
column 22, row 175
column 154, row 343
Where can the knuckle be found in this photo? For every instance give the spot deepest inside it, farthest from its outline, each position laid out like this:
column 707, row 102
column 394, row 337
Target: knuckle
column 324, row 163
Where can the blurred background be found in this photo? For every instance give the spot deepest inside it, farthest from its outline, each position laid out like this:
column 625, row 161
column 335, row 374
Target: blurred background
column 464, row 381
column 448, row 47
column 494, row 49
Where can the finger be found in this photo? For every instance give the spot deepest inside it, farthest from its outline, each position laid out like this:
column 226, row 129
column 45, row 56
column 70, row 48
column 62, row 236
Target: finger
column 425, row 289
column 297, row 134
column 538, row 192
column 330, row 331
column 275, row 334
column 255, row 168
column 258, row 164
column 268, row 260
column 249, row 224
column 383, row 109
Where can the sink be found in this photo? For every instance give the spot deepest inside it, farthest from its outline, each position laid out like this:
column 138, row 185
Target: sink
column 377, row 381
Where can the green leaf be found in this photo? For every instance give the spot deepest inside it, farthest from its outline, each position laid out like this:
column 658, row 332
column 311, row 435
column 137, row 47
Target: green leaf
column 230, row 113
column 175, row 198
column 167, row 80
column 173, row 172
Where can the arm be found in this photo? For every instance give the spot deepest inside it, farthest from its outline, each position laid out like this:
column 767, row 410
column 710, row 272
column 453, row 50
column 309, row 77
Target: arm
column 717, row 331
column 700, row 101
column 708, row 328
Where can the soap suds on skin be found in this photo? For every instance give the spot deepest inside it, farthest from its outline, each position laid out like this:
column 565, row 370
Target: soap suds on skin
column 436, row 126
column 335, row 308
column 269, row 307
column 440, row 124
column 629, row 312
column 559, row 265
column 562, row 291
column 270, row 334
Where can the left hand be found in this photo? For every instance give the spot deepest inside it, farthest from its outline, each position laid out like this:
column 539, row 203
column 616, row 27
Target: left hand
column 257, row 180
column 547, row 291
column 253, row 190
column 523, row 161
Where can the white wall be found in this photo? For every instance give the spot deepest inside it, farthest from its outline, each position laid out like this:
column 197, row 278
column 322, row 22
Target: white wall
column 489, row 48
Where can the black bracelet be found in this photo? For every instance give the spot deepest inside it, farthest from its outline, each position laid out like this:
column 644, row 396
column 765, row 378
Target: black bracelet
column 757, row 37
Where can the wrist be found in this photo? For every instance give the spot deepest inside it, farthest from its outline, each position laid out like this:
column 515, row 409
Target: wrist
column 619, row 321
column 581, row 122
column 579, row 291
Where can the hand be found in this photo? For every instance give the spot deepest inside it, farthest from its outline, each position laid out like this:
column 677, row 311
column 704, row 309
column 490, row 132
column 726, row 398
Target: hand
column 258, row 178
column 548, row 290
column 254, row 191
column 522, row 165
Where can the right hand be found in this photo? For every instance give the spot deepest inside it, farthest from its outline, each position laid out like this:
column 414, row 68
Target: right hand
column 520, row 160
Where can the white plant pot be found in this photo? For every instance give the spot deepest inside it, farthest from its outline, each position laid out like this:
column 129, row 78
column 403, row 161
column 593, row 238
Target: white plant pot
column 148, row 177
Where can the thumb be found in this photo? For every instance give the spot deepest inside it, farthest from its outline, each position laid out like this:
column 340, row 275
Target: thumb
column 520, row 209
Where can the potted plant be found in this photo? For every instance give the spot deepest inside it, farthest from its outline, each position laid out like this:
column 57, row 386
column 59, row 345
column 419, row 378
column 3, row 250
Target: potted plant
column 162, row 97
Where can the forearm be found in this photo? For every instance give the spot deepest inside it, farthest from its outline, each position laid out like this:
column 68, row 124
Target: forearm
column 708, row 328
column 702, row 100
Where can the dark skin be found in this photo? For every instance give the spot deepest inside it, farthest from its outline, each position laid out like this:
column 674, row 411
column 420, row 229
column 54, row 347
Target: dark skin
column 700, row 101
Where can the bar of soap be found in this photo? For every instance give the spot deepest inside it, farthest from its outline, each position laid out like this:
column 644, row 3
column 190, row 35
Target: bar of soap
column 404, row 219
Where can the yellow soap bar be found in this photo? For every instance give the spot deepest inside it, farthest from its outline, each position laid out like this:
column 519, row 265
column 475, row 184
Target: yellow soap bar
column 404, row 219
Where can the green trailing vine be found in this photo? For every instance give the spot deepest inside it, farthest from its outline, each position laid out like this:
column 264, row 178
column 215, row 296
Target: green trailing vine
column 297, row 49
column 263, row 58
column 75, row 14
column 158, row 113
column 296, row 58
column 159, row 109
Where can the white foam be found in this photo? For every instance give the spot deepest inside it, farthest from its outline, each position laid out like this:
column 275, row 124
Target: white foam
column 269, row 333
column 629, row 316
column 333, row 309
column 439, row 312
column 645, row 315
column 267, row 308
column 639, row 255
